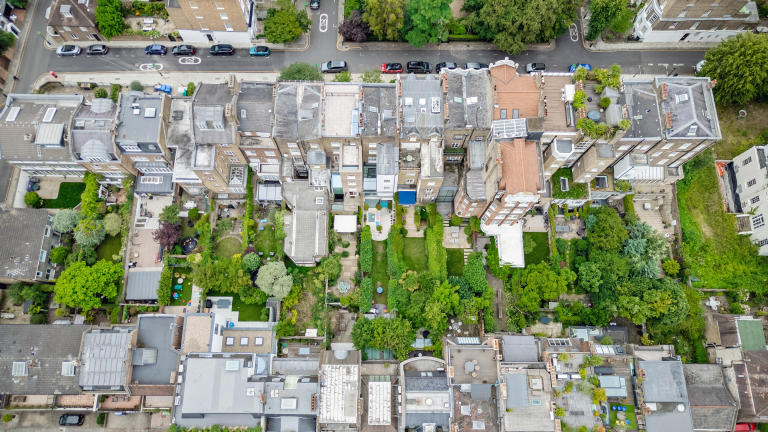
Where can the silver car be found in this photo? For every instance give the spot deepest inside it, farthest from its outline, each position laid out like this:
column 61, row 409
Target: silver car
column 68, row 50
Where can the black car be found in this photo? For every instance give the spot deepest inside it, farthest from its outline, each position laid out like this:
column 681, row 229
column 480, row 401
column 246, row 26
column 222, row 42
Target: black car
column 445, row 65
column 418, row 67
column 222, row 49
column 156, row 50
column 334, row 66
column 183, row 50
column 71, row 420
column 314, row 4
column 97, row 50
column 476, row 66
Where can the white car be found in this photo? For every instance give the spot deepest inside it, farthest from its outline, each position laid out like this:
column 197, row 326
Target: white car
column 68, row 50
column 700, row 65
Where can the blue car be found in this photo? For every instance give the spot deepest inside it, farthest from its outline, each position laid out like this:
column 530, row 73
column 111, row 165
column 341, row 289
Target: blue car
column 578, row 65
column 156, row 50
column 260, row 51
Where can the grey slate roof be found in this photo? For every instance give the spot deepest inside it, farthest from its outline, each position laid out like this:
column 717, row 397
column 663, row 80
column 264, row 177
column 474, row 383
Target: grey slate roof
column 474, row 183
column 519, row 349
column 297, row 111
column 52, row 345
column 143, row 283
column 208, row 106
column 379, row 110
column 691, row 107
column 166, row 186
column 641, row 102
column 104, row 358
column 82, row 15
column 136, row 128
column 467, row 98
column 307, row 226
column 711, row 404
column 415, row 420
column 156, row 332
column 419, row 96
column 386, row 159
column 180, row 137
column 664, row 385
column 415, row 381
column 31, row 109
column 5, row 179
column 517, row 391
column 23, row 234
column 258, row 103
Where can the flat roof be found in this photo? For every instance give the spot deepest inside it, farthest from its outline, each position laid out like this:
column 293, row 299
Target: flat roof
column 143, row 283
column 157, row 332
column 104, row 358
column 342, row 109
column 139, row 126
column 751, row 334
column 339, row 394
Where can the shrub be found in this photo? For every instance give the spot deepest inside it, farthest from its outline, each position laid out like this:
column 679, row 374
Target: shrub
column 345, row 254
column 366, row 249
column 671, row 267
column 365, row 206
column 624, row 124
column 560, row 412
column 136, row 86
column 378, row 206
column 101, row 419
column 629, row 209
column 455, row 220
column 190, row 89
column 114, row 92
column 59, row 254
column 606, row 340
column 32, row 199
column 7, row 418
column 115, row 314
column 366, row 294
column 100, row 93
column 379, row 228
column 605, row 102
column 37, row 318
column 194, row 213
column 561, row 246
column 735, row 308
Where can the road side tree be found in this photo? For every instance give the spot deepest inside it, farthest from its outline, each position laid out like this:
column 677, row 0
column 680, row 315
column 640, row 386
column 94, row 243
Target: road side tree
column 738, row 65
column 109, row 17
column 7, row 40
column 385, row 18
column 281, row 26
column 428, row 18
column 354, row 28
column 300, row 72
column 604, row 13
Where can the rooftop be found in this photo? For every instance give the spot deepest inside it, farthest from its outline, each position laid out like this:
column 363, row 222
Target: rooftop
column 379, row 110
column 472, row 411
column 558, row 119
column 156, row 333
column 297, row 111
column 197, row 333
column 643, row 109
column 143, row 283
column 22, row 118
column 529, row 394
column 248, row 341
column 521, row 168
column 78, row 14
column 752, row 381
column 339, row 392
column 22, row 231
column 473, row 364
column 751, row 334
column 139, row 120
column 91, row 137
column 712, row 406
column 427, row 398
column 44, row 350
column 208, row 106
column 431, row 159
column 180, row 137
column 664, row 387
column 421, row 101
column 307, row 225
column 342, row 109
column 690, row 106
column 517, row 96
column 519, row 349
column 254, row 107
column 468, row 95
column 104, row 359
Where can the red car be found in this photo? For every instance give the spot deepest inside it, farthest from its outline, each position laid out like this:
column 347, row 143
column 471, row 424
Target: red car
column 745, row 427
column 391, row 68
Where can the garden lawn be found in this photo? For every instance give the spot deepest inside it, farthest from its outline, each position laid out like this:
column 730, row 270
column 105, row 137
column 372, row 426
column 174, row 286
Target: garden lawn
column 455, row 262
column 187, row 231
column 248, row 312
column 110, row 246
column 265, row 241
column 227, row 247
column 68, row 197
column 541, row 252
column 739, row 134
column 630, row 416
column 379, row 271
column 185, row 294
column 415, row 253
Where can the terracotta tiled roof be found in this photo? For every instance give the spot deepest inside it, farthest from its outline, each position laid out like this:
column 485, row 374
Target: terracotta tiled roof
column 515, row 92
column 520, row 166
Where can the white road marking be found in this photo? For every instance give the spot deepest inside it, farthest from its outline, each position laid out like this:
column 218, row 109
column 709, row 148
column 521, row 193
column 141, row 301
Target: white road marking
column 190, row 60
column 573, row 31
column 151, row 67
column 324, row 23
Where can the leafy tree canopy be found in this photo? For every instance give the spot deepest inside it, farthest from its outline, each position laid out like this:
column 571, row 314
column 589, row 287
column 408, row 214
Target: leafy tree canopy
column 170, row 214
column 281, row 26
column 300, row 72
column 381, row 333
column 274, row 281
column 90, row 233
column 385, row 18
column 738, row 65
column 113, row 223
column 66, row 220
column 354, row 28
column 82, row 286
column 109, row 17
column 608, row 231
column 428, row 18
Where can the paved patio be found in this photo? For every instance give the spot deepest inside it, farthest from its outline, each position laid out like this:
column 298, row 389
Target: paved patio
column 535, row 224
column 349, row 264
column 454, row 238
column 227, row 312
column 145, row 246
column 384, row 217
column 120, row 402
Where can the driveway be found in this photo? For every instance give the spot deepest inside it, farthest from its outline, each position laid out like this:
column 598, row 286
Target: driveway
column 48, row 421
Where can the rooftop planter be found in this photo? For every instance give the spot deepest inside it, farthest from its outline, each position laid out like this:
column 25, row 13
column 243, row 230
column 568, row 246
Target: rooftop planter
column 563, row 186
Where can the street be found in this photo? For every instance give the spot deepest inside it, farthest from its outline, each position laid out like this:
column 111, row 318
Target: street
column 37, row 59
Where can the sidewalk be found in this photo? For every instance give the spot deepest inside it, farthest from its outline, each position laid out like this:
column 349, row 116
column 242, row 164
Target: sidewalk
column 457, row 45
column 300, row 44
column 17, row 51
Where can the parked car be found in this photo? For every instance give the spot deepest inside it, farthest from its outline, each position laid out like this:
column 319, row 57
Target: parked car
column 418, row 67
column 97, row 50
column 578, row 65
column 71, row 420
column 700, row 65
column 314, row 4
column 535, row 67
column 445, row 65
column 156, row 50
column 68, row 50
column 222, row 49
column 476, row 66
column 745, row 427
column 334, row 66
column 391, row 68
column 259, row 51
column 183, row 50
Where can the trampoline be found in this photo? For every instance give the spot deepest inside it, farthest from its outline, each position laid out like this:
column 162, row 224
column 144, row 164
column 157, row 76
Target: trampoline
column 188, row 244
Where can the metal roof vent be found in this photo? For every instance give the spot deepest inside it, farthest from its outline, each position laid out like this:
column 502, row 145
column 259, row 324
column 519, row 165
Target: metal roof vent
column 681, row 407
column 408, row 102
column 243, row 112
column 319, row 200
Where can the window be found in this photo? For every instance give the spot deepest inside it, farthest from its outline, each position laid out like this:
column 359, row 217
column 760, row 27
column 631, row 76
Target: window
column 455, row 145
column 371, row 152
column 429, row 190
column 667, row 146
column 458, row 137
column 140, row 159
column 624, row 147
column 453, row 158
column 272, row 161
column 695, row 25
column 192, row 5
column 337, row 151
column 47, row 231
column 431, row 184
column 67, row 28
column 198, row 16
column 663, row 161
column 269, row 153
column 387, row 181
column 706, row 14
column 762, row 242
column 230, row 341
column 653, row 19
column 293, row 145
column 741, row 28
column 746, row 161
column 73, row 36
column 90, row 36
column 313, row 145
column 219, row 6
column 755, row 199
column 211, row 179
column 130, row 148
column 757, row 221
column 410, row 181
column 682, row 14
column 85, row 29
column 229, row 153
column 216, row 184
column 43, row 255
column 411, row 174
column 657, row 154
column 350, row 177
column 673, row 154
column 295, row 152
column 751, row 182
column 228, row 26
column 478, row 139
column 685, row 146
column 244, row 341
column 258, row 341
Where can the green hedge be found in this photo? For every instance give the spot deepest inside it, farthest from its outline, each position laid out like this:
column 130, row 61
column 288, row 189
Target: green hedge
column 464, row 37
column 366, row 249
column 248, row 221
column 629, row 207
column 165, row 289
column 437, row 256
column 366, row 294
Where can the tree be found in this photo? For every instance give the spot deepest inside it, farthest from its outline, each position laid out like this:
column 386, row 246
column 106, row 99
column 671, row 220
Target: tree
column 273, row 280
column 82, row 286
column 193, row 213
column 300, row 72
column 32, row 199
column 331, row 267
column 251, row 262
column 66, row 220
column 354, row 28
column 547, row 283
column 529, row 301
column 366, row 249
column 109, row 17
column 343, row 77
column 281, row 26
column 564, row 357
column 16, row 293
column 474, row 272
column 303, row 19
column 7, row 40
column 384, row 18
column 529, row 244
column 745, row 55
column 396, row 334
column 428, row 17
column 590, row 277
column 608, row 231
column 100, row 93
column 167, row 235
column 90, row 233
column 606, row 340
column 136, row 86
column 374, row 76
column 170, row 215
column 59, row 254
column 113, row 223
column 623, row 20
column 224, row 226
column 671, row 267
column 604, row 12
column 598, row 395
column 37, row 318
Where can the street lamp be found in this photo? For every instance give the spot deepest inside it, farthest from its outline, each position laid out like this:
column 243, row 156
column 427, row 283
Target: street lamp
column 46, row 40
